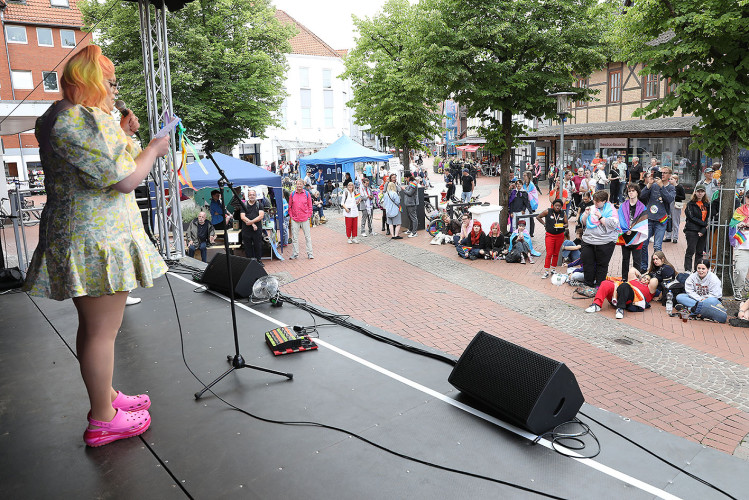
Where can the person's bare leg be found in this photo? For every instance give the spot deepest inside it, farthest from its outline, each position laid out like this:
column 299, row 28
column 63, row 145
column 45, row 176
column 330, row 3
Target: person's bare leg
column 99, row 319
column 396, row 230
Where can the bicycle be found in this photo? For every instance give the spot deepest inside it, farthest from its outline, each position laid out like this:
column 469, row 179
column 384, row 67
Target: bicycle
column 30, row 215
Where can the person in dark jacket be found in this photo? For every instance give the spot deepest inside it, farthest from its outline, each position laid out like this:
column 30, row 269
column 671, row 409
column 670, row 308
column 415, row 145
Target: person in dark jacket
column 697, row 215
column 495, row 243
column 519, row 203
column 410, row 200
column 662, row 270
column 473, row 245
column 657, row 197
column 672, row 231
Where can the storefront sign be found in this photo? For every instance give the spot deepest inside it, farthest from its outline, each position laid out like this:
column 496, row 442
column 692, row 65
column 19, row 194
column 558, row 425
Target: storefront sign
column 615, row 142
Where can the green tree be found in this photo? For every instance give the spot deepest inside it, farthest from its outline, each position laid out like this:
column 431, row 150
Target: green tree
column 390, row 92
column 501, row 58
column 227, row 62
column 701, row 47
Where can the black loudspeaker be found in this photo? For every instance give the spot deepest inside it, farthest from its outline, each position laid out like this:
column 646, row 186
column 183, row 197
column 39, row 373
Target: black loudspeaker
column 524, row 388
column 245, row 272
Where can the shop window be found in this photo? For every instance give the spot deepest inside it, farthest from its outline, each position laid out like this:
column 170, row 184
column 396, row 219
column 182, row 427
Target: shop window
column 582, row 83
column 650, row 86
column 67, row 39
column 615, row 86
column 15, row 34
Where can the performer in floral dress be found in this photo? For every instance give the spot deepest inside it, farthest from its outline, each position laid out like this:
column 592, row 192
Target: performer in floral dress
column 92, row 245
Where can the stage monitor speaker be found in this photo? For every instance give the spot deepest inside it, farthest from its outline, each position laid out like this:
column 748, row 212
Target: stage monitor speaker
column 245, row 272
column 522, row 387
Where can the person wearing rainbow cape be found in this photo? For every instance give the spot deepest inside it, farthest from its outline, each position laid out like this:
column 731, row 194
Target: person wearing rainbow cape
column 738, row 235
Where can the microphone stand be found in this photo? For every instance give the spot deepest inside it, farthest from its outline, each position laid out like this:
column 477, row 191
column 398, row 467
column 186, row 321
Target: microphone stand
column 236, row 361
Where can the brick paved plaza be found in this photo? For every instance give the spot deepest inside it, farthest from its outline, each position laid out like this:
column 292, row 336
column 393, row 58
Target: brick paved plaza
column 689, row 379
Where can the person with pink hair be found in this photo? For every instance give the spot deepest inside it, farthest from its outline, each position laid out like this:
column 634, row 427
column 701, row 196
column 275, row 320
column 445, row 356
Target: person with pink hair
column 92, row 245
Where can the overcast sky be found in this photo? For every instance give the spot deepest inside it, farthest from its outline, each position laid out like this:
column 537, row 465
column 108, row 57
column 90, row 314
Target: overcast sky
column 330, row 19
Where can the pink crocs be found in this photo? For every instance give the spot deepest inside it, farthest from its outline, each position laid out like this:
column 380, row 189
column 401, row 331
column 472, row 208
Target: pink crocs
column 125, row 424
column 131, row 403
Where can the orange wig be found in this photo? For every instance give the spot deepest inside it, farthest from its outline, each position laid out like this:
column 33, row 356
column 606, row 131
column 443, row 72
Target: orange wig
column 84, row 78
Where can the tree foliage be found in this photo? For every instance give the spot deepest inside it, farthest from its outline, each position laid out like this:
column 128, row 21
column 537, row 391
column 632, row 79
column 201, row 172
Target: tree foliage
column 701, row 47
column 227, row 61
column 507, row 56
column 390, row 92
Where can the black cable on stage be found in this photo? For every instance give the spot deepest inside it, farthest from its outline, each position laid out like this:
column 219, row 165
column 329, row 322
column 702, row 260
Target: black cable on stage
column 339, row 429
column 71, row 52
column 343, row 320
column 143, row 439
column 696, row 478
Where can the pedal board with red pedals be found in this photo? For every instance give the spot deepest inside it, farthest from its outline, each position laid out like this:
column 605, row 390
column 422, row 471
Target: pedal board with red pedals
column 284, row 340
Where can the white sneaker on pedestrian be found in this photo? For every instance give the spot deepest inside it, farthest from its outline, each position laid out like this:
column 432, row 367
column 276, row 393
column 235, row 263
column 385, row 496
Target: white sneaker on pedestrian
column 356, row 240
column 364, row 235
column 412, row 235
column 310, row 256
column 350, row 241
column 619, row 313
column 372, row 233
column 594, row 308
column 545, row 274
column 131, row 301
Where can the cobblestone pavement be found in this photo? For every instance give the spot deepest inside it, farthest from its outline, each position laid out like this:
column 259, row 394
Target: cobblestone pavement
column 688, row 379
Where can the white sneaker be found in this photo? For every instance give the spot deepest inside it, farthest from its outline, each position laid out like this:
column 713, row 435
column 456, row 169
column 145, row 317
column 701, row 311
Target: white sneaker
column 545, row 274
column 619, row 313
column 356, row 240
column 364, row 235
column 412, row 235
column 131, row 301
column 372, row 233
column 350, row 241
column 594, row 308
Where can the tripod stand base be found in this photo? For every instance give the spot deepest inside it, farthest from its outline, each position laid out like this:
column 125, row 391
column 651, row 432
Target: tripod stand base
column 237, row 362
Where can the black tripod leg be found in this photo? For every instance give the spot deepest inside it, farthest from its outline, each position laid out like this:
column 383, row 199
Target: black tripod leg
column 227, row 372
column 267, row 370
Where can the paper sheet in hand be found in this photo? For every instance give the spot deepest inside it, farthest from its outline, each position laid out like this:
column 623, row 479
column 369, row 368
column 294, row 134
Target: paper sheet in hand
column 170, row 123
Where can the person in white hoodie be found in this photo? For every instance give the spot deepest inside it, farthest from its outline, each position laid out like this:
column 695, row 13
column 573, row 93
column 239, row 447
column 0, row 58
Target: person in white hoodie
column 350, row 205
column 703, row 293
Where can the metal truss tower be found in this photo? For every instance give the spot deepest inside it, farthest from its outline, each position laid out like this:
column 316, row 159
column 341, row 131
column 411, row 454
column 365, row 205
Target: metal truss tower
column 154, row 41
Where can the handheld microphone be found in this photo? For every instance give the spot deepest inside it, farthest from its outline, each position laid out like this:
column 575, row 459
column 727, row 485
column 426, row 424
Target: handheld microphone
column 122, row 108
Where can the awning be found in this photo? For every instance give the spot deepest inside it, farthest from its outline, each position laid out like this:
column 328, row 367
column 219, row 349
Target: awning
column 471, row 140
column 626, row 128
column 470, row 148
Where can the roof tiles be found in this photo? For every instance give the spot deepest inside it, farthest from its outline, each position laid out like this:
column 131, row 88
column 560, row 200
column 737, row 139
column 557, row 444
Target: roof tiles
column 42, row 12
column 306, row 42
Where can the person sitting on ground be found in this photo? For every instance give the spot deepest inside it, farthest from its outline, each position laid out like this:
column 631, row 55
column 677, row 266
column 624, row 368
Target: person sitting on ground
column 472, row 246
column 200, row 234
column 703, row 294
column 521, row 246
column 662, row 270
column 634, row 295
column 495, row 243
column 742, row 315
column 328, row 192
column 450, row 230
column 465, row 229
column 570, row 248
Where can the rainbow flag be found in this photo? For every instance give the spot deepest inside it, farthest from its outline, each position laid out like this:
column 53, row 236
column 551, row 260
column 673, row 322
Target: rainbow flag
column 736, row 233
column 357, row 197
column 530, row 188
column 663, row 219
column 639, row 234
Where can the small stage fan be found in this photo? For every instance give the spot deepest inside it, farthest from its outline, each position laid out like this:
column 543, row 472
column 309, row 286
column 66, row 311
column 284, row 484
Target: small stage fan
column 267, row 288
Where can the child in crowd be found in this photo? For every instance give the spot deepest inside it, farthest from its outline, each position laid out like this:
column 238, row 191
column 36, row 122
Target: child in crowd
column 571, row 249
column 521, row 246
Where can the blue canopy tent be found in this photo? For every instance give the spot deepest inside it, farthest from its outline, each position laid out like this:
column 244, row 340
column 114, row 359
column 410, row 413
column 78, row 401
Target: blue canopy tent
column 241, row 173
column 339, row 158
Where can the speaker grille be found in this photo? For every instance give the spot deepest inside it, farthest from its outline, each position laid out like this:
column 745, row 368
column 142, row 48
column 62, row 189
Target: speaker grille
column 503, row 374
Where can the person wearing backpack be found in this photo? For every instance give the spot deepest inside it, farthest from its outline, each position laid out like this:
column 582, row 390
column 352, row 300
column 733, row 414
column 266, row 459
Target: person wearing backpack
column 300, row 212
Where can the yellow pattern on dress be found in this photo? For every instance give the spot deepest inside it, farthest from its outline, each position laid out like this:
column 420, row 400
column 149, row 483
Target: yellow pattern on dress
column 91, row 237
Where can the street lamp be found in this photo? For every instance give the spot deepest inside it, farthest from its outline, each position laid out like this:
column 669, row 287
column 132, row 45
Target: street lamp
column 563, row 104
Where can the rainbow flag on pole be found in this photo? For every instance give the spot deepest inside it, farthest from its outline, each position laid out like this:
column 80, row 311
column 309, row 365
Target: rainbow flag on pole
column 737, row 227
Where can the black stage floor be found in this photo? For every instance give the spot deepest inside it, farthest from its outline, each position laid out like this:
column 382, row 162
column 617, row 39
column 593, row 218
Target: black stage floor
column 207, row 450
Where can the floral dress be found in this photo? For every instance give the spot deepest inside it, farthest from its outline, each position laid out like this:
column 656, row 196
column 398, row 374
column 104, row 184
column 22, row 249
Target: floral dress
column 91, row 236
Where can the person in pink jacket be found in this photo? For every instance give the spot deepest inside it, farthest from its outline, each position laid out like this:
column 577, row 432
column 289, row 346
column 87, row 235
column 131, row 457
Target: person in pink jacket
column 300, row 212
